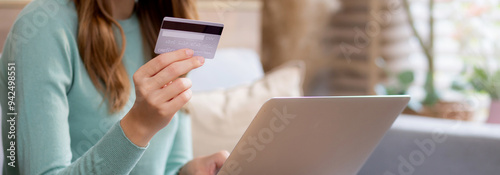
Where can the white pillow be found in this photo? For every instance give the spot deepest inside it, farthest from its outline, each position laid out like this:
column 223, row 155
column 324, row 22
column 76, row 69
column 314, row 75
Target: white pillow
column 220, row 117
column 230, row 67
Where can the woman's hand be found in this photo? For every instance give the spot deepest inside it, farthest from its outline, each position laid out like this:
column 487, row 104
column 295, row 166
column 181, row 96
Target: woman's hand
column 208, row 165
column 160, row 93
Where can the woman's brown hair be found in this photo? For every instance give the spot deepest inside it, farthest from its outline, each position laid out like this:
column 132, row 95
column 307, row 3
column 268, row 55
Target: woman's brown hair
column 102, row 51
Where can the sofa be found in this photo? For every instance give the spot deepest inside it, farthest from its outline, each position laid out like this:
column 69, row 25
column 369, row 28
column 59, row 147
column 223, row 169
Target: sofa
column 427, row 146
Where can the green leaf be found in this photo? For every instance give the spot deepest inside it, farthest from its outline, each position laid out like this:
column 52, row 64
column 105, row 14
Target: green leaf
column 479, row 85
column 496, row 76
column 480, row 73
column 406, row 78
column 487, row 83
column 392, row 91
column 495, row 90
column 458, row 86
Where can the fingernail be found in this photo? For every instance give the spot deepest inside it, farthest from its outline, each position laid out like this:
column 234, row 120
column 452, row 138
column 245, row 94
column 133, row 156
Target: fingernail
column 189, row 52
column 201, row 60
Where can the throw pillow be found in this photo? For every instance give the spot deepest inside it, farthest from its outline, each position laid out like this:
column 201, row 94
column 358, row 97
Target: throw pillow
column 220, row 117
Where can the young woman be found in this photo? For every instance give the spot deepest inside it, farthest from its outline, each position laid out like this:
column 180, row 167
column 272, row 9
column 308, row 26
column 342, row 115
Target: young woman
column 91, row 97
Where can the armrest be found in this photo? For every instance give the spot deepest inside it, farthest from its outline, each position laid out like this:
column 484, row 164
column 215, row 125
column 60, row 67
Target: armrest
column 421, row 145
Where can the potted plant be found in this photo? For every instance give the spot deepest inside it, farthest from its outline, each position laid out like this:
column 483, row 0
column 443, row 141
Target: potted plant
column 489, row 82
column 431, row 97
column 479, row 48
column 400, row 86
column 432, row 105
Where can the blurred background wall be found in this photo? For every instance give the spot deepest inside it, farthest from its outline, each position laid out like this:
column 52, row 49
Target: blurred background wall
column 294, row 30
column 329, row 35
column 345, row 43
column 242, row 20
column 351, row 47
column 241, row 17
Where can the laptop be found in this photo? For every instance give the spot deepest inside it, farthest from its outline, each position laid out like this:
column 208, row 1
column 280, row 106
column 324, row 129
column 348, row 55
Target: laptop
column 313, row 135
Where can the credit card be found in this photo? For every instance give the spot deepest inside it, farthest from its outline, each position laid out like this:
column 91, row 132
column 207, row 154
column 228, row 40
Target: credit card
column 178, row 33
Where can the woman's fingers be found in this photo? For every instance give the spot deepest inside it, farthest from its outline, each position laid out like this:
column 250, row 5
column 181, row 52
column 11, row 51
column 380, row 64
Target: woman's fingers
column 161, row 61
column 219, row 158
column 206, row 165
column 173, row 71
column 172, row 90
column 179, row 101
column 152, row 109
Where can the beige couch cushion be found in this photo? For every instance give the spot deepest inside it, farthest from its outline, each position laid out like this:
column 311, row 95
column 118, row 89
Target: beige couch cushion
column 219, row 118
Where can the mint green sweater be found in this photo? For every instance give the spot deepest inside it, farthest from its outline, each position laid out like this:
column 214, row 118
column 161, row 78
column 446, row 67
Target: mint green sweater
column 62, row 126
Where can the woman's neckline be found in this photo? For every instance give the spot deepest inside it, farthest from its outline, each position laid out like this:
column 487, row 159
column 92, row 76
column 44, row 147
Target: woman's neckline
column 129, row 23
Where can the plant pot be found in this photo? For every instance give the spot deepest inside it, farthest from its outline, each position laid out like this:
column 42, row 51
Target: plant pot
column 449, row 110
column 494, row 112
